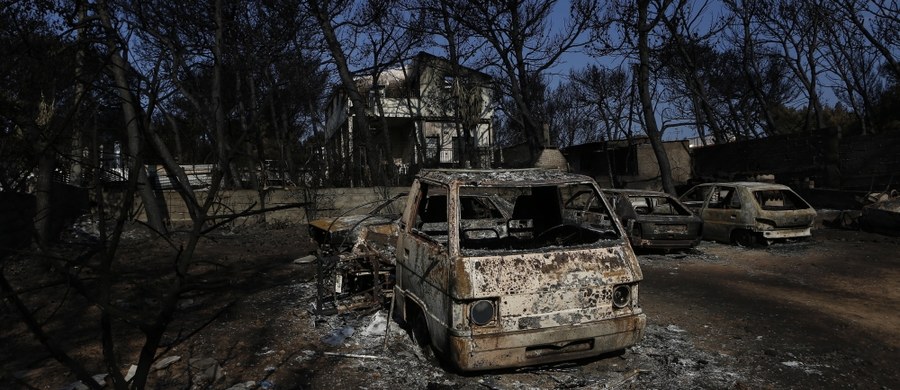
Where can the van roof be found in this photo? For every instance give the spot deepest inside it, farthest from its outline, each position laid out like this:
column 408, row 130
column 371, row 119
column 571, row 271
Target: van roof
column 493, row 177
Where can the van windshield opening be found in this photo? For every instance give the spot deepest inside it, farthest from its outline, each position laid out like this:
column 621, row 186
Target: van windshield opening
column 531, row 217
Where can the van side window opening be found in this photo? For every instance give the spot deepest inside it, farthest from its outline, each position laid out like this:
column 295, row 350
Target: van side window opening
column 431, row 214
column 529, row 217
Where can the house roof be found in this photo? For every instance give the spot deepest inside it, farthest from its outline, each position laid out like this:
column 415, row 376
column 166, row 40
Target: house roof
column 417, row 60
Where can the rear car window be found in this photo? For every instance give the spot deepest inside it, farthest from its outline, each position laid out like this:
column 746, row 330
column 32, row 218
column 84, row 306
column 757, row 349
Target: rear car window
column 657, row 205
column 779, row 200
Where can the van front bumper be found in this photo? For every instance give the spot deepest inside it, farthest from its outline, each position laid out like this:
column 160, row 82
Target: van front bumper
column 541, row 346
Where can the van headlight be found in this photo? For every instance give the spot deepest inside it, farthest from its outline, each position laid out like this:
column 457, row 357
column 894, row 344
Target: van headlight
column 621, row 296
column 482, row 312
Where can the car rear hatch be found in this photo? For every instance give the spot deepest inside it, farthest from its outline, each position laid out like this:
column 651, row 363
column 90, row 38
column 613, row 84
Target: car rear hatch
column 783, row 209
column 671, row 228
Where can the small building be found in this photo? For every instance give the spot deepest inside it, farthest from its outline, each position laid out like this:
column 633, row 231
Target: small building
column 425, row 107
column 629, row 164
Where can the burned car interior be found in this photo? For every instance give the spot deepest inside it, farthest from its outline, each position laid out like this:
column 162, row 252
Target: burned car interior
column 518, row 218
column 656, row 205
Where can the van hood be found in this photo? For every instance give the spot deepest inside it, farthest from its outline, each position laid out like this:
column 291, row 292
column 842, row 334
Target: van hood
column 561, row 269
column 560, row 288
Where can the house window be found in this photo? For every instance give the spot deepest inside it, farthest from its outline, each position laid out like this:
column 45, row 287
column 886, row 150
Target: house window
column 457, row 148
column 448, row 82
column 432, row 145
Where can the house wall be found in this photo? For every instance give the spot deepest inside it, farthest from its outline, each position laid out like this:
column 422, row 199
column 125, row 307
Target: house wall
column 634, row 166
column 399, row 107
column 426, row 106
column 445, row 131
column 648, row 176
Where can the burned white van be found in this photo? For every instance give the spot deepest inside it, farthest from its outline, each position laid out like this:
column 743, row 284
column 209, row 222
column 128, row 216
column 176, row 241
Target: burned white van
column 513, row 268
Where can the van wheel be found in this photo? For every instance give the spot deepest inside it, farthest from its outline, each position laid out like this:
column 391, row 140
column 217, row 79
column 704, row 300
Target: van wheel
column 418, row 331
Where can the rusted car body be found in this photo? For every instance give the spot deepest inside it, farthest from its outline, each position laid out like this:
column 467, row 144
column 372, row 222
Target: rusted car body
column 750, row 213
column 655, row 219
column 882, row 217
column 342, row 232
column 355, row 260
column 553, row 280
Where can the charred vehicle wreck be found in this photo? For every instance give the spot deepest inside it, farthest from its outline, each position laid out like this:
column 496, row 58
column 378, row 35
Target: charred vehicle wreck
column 355, row 260
column 655, row 219
column 498, row 269
column 750, row 213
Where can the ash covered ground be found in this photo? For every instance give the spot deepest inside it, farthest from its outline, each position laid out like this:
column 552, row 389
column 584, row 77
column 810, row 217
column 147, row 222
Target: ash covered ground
column 821, row 313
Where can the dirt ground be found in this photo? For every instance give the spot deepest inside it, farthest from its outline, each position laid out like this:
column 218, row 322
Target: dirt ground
column 821, row 313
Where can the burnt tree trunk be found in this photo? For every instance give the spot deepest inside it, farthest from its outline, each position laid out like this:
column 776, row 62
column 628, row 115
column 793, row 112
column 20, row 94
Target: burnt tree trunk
column 653, row 133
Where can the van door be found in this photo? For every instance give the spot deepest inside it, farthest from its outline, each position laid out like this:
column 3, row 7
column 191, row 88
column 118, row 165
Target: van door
column 423, row 259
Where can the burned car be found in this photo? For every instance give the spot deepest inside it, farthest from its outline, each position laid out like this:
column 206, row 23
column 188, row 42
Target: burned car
column 655, row 219
column 553, row 279
column 750, row 213
column 355, row 260
column 341, row 232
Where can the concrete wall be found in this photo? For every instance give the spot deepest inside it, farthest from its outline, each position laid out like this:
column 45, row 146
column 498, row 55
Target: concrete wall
column 870, row 161
column 318, row 203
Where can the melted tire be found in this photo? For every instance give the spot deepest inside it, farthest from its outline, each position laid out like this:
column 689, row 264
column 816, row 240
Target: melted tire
column 747, row 239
